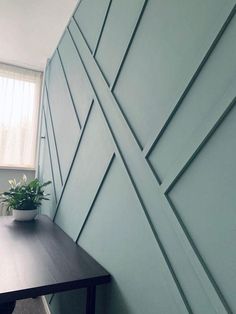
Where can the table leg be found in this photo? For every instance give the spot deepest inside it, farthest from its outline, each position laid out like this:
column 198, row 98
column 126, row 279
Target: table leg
column 91, row 300
column 7, row 308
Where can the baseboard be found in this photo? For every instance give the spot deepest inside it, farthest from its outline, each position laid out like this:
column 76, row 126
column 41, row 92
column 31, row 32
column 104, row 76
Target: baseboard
column 45, row 304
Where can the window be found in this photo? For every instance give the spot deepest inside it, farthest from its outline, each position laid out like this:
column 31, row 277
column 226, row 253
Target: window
column 19, row 106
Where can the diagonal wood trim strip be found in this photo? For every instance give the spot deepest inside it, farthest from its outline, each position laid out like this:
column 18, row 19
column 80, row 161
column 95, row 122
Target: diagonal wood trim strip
column 156, row 218
column 95, row 196
column 154, row 139
column 72, row 163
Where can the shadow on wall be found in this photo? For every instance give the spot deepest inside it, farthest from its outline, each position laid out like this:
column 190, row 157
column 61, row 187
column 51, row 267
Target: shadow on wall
column 107, row 298
column 68, row 302
column 116, row 300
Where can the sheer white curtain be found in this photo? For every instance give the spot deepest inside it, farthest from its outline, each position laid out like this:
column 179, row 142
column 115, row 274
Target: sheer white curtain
column 19, row 106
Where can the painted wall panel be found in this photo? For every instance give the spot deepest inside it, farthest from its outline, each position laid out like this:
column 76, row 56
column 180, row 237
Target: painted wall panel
column 53, row 150
column 91, row 161
column 157, row 207
column 80, row 89
column 90, row 16
column 48, row 207
column 119, row 235
column 205, row 199
column 163, row 57
column 113, row 44
column 47, row 73
column 215, row 84
column 42, row 138
column 73, row 29
column 45, row 172
column 63, row 115
column 111, row 199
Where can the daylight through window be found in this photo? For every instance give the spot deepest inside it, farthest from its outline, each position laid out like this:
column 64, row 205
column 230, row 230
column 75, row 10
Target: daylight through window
column 19, row 105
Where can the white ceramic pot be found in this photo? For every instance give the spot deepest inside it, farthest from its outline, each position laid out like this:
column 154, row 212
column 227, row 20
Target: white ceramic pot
column 24, row 215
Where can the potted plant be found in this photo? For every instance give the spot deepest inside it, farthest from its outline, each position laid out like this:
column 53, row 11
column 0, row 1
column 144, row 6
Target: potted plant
column 24, row 198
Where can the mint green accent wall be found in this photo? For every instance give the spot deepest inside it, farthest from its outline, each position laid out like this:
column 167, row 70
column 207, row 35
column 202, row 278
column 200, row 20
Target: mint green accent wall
column 112, row 47
column 213, row 88
column 90, row 19
column 205, row 199
column 168, row 61
column 84, row 180
column 81, row 90
column 59, row 98
column 116, row 235
column 139, row 125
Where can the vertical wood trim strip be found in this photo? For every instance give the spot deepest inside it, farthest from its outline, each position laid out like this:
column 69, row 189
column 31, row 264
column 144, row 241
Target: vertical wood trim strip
column 39, row 138
column 54, row 136
column 39, row 129
column 50, row 155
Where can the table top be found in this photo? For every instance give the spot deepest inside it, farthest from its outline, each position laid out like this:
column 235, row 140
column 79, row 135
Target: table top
column 38, row 258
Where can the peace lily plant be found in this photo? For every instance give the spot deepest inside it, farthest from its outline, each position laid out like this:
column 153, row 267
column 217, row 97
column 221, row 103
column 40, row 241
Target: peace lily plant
column 24, row 198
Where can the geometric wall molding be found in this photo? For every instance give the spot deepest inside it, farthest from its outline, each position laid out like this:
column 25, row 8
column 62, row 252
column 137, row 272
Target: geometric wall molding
column 131, row 137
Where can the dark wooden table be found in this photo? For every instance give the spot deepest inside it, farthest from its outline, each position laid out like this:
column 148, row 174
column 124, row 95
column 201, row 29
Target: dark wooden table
column 38, row 258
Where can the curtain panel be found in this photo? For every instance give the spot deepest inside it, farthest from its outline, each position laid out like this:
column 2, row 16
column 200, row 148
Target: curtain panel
column 19, row 107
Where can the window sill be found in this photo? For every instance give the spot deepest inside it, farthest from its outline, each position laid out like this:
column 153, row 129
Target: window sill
column 17, row 168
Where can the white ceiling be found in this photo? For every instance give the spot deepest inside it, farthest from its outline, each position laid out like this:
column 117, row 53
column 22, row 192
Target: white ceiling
column 31, row 29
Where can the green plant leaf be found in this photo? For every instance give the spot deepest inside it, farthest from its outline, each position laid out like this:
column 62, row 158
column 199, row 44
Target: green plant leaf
column 24, row 196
